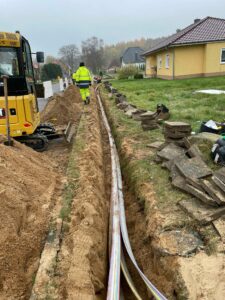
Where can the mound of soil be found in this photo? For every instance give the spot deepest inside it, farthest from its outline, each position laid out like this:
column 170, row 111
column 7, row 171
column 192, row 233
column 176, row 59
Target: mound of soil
column 63, row 108
column 27, row 182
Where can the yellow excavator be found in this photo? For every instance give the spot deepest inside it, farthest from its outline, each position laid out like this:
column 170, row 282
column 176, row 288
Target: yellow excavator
column 23, row 112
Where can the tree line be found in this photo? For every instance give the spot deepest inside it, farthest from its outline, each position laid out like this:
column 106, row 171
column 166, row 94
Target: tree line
column 95, row 54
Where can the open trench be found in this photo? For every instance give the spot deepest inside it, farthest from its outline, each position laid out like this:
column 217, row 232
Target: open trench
column 74, row 262
column 81, row 262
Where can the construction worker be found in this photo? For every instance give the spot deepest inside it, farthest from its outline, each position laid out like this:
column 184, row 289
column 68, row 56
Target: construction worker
column 82, row 78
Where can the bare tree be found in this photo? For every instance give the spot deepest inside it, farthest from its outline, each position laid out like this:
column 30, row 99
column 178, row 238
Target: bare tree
column 70, row 56
column 92, row 53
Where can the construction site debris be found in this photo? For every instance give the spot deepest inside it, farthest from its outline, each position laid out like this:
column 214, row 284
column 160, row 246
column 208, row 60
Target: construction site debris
column 130, row 112
column 63, row 108
column 213, row 191
column 137, row 114
column 176, row 131
column 218, row 182
column 171, row 151
column 148, row 120
column 200, row 211
column 193, row 167
column 192, row 175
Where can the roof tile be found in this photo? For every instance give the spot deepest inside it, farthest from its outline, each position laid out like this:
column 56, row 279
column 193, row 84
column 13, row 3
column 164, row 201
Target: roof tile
column 206, row 30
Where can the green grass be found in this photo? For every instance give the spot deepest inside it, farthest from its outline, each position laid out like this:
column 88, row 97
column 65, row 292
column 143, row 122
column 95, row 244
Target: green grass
column 72, row 174
column 184, row 105
column 179, row 96
column 139, row 171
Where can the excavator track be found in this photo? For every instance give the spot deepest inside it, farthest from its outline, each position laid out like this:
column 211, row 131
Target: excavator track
column 38, row 142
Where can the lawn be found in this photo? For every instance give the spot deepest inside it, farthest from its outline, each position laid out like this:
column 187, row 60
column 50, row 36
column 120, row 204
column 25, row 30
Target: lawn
column 179, row 96
column 184, row 105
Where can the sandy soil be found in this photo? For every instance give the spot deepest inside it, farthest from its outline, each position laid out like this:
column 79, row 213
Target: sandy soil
column 63, row 108
column 83, row 257
column 204, row 276
column 30, row 188
column 27, row 183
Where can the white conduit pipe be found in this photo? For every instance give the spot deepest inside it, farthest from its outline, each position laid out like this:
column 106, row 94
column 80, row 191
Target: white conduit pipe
column 113, row 275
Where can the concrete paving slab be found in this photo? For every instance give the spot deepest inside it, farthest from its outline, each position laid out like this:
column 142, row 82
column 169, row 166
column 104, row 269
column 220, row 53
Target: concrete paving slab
column 200, row 211
column 193, row 168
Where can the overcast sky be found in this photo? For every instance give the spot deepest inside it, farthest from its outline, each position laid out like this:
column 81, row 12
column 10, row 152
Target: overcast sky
column 50, row 24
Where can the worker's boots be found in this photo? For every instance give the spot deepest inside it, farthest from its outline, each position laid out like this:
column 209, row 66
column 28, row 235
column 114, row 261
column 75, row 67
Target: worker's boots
column 88, row 100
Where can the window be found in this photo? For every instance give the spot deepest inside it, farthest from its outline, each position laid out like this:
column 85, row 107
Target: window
column 167, row 61
column 9, row 61
column 27, row 59
column 222, row 60
column 159, row 59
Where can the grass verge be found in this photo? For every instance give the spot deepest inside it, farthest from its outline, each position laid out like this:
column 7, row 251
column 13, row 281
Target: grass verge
column 179, row 95
column 72, row 184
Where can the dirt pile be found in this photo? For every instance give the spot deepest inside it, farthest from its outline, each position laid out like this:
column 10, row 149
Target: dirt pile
column 63, row 108
column 27, row 182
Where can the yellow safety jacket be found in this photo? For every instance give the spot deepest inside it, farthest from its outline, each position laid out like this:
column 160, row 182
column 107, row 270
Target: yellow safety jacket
column 82, row 77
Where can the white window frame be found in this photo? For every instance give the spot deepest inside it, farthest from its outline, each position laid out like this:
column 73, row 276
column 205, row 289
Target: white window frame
column 167, row 61
column 222, row 62
column 159, row 62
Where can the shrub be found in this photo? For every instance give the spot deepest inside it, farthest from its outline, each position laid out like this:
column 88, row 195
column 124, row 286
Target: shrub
column 138, row 76
column 126, row 72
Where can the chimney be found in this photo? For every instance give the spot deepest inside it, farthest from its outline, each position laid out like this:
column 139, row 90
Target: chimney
column 197, row 20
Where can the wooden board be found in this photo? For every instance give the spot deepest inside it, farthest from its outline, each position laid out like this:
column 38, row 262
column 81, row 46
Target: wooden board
column 200, row 195
column 218, row 182
column 220, row 174
column 178, row 181
column 193, row 168
column 149, row 115
column 171, row 151
column 213, row 191
column 176, row 135
column 194, row 151
column 201, row 212
column 178, row 125
column 195, row 182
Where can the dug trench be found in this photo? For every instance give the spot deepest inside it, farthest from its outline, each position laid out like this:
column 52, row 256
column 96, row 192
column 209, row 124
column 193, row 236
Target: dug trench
column 55, row 214
column 79, row 267
column 161, row 234
column 74, row 263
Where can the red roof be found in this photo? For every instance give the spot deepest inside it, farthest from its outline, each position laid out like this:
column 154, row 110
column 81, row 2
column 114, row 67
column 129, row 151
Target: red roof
column 206, row 30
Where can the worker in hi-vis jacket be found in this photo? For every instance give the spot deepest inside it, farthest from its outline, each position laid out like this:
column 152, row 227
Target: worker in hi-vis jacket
column 82, row 77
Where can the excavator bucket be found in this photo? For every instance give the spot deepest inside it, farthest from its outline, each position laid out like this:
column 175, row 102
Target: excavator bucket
column 52, row 132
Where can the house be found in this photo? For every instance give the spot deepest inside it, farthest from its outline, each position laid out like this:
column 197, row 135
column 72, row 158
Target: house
column 195, row 51
column 132, row 56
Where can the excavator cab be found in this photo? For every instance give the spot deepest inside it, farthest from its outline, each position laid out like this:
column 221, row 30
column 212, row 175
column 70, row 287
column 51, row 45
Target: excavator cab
column 24, row 117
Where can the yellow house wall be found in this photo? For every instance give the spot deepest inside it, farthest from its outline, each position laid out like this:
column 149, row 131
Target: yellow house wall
column 213, row 65
column 150, row 63
column 164, row 72
column 189, row 60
